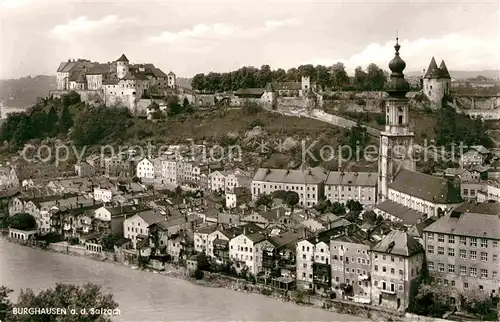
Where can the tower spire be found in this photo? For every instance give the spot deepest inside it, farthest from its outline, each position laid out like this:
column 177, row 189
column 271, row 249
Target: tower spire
column 397, row 85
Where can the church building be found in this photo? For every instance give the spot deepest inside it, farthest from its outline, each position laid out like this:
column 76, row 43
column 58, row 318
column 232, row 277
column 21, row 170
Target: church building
column 398, row 181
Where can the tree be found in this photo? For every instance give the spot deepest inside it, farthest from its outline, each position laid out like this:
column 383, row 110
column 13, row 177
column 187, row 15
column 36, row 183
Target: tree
column 354, row 205
column 66, row 296
column 264, row 200
column 339, row 76
column 338, row 208
column 360, row 78
column 173, row 105
column 370, row 216
column 375, row 77
column 66, row 120
column 478, row 302
column 22, row 221
column 108, row 241
column 432, row 300
column 202, row 262
column 5, row 303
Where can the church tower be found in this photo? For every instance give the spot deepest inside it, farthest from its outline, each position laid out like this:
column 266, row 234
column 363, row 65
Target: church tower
column 396, row 140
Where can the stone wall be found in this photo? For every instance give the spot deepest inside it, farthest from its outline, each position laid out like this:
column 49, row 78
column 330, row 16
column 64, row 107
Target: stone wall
column 420, row 318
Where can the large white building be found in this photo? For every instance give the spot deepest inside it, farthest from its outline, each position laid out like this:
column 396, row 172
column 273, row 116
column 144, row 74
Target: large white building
column 112, row 83
column 307, row 183
column 359, row 186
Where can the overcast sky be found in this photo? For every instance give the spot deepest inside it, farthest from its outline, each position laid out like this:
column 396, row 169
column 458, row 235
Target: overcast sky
column 189, row 37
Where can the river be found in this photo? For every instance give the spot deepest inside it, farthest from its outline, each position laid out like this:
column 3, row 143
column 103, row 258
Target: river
column 145, row 296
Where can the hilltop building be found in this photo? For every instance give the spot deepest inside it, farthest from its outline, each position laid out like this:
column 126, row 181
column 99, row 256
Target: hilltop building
column 436, row 83
column 112, row 83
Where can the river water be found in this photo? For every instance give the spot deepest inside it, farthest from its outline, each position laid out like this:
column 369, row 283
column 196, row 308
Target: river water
column 145, row 296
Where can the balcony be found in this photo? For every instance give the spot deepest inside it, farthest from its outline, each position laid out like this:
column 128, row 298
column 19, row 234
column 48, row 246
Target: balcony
column 364, row 277
column 386, row 291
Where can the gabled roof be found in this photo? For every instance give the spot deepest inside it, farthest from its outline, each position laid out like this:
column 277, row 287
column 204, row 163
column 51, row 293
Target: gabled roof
column 171, row 73
column 398, row 243
column 98, row 69
column 61, row 66
column 123, row 58
column 426, row 187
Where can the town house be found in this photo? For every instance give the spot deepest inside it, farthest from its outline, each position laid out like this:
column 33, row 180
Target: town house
column 246, row 251
column 109, row 220
column 475, row 156
column 83, row 169
column 136, row 228
column 463, row 250
column 201, row 238
column 145, row 169
column 396, row 264
column 351, row 264
column 8, row 178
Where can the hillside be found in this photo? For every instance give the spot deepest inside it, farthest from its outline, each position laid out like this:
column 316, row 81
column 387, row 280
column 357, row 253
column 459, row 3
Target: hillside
column 22, row 92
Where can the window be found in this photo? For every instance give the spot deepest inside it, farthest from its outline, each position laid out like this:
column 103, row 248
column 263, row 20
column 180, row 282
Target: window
column 484, row 273
column 463, row 241
column 430, row 236
column 473, row 242
column 440, row 250
column 392, row 259
column 430, row 265
column 401, row 272
column 484, row 243
column 430, row 249
column 495, row 243
column 376, row 268
column 495, row 258
column 473, row 255
column 451, row 239
column 441, row 238
column 463, row 270
column 440, row 267
column 392, row 271
column 484, row 256
column 494, row 274
column 463, row 254
column 451, row 252
column 473, row 271
column 466, row 285
column 451, row 268
column 452, row 283
column 384, row 269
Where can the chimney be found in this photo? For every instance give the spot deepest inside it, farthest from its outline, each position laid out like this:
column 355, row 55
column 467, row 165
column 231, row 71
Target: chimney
column 305, row 233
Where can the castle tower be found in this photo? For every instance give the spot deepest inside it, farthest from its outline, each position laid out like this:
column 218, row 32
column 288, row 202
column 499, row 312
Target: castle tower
column 396, row 140
column 436, row 83
column 121, row 66
column 171, row 80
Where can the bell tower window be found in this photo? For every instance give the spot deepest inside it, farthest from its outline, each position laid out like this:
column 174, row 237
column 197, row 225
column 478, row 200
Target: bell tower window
column 400, row 119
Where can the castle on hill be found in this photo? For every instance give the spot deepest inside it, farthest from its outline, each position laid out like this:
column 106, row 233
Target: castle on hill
column 112, row 83
column 436, row 83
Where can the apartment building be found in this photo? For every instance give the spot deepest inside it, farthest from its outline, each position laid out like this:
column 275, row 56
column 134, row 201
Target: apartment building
column 396, row 264
column 136, row 227
column 351, row 265
column 246, row 251
column 145, row 169
column 463, row 250
column 307, row 183
column 227, row 181
column 359, row 186
column 481, row 191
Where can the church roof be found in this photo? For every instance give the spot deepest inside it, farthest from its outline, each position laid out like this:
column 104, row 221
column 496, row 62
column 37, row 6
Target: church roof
column 122, row 58
column 433, row 70
column 426, row 187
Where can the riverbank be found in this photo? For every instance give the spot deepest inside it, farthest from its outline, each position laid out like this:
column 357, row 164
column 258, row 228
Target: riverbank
column 219, row 281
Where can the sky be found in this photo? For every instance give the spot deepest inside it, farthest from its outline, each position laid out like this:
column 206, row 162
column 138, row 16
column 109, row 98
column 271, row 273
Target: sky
column 190, row 37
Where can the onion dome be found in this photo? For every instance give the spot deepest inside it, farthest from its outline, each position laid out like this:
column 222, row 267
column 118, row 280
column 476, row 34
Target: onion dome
column 397, row 65
column 397, row 85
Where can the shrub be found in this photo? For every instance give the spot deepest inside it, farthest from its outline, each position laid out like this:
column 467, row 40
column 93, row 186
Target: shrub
column 198, row 274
